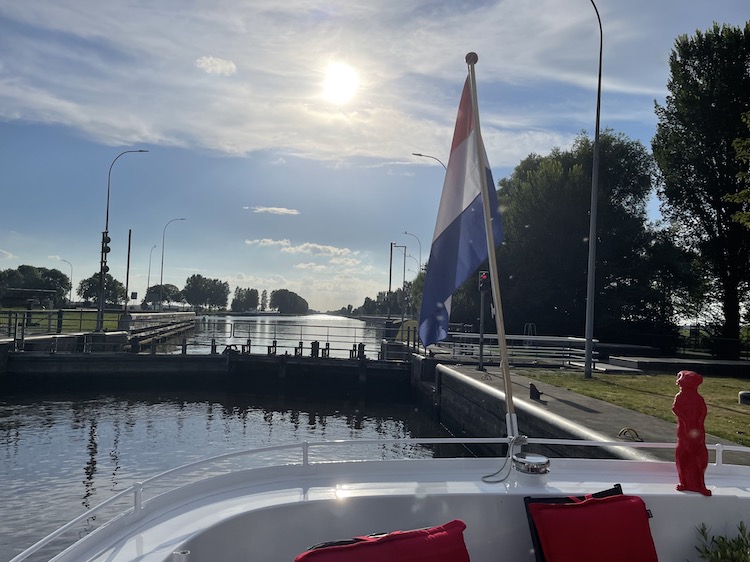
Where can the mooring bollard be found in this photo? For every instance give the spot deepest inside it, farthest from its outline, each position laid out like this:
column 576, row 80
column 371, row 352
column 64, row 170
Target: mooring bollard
column 213, row 347
column 315, row 349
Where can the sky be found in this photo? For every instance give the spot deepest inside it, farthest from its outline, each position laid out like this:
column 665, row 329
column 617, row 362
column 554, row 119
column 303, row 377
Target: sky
column 283, row 133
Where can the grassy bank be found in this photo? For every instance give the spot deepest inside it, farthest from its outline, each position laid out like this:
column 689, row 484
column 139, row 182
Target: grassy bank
column 653, row 394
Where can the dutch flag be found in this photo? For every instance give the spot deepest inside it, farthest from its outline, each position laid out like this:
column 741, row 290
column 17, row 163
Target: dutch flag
column 459, row 245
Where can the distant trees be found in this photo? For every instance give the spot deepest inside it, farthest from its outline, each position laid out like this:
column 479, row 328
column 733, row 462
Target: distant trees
column 287, row 302
column 30, row 277
column 114, row 291
column 157, row 295
column 700, row 173
column 244, row 299
column 200, row 291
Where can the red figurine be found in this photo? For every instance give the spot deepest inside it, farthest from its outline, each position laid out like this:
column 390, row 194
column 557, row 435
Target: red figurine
column 691, row 454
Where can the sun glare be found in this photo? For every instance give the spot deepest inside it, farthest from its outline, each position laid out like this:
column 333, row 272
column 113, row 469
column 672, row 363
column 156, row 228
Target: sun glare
column 340, row 83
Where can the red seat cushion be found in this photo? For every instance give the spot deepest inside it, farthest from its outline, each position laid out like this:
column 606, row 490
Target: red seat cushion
column 613, row 528
column 444, row 543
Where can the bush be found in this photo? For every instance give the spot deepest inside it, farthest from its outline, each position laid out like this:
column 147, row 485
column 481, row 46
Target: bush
column 723, row 549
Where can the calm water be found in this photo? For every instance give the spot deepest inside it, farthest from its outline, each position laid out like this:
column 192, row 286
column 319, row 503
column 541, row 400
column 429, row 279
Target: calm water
column 60, row 454
column 339, row 332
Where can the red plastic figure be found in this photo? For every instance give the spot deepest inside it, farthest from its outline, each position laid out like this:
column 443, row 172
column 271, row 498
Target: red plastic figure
column 691, row 454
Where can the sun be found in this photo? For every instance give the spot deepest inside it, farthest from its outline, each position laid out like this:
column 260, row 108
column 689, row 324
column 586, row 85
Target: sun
column 340, row 83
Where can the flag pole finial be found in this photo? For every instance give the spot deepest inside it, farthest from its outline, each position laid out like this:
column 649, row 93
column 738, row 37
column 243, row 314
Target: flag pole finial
column 472, row 58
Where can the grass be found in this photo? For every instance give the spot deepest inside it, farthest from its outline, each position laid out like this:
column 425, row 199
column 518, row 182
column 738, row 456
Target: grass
column 653, row 394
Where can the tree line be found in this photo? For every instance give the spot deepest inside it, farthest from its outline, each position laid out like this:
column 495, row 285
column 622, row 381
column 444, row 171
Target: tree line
column 199, row 292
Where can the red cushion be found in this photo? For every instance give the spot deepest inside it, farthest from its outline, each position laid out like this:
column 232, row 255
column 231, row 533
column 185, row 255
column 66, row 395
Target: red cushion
column 444, row 543
column 613, row 528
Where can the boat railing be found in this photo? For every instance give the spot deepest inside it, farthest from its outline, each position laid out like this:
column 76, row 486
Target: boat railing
column 304, row 451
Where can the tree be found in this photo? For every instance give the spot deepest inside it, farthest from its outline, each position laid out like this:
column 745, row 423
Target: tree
column 287, row 302
column 543, row 260
column 162, row 293
column 200, row 291
column 264, row 300
column 742, row 147
column 244, row 299
column 702, row 116
column 30, row 277
column 114, row 291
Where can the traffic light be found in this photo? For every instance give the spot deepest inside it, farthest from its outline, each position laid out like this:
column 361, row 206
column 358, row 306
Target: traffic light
column 484, row 280
column 105, row 250
column 105, row 243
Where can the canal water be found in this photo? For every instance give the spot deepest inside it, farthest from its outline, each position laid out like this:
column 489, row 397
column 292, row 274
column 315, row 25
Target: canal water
column 257, row 333
column 61, row 454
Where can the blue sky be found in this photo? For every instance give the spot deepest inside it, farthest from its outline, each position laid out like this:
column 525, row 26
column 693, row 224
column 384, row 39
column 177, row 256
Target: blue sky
column 285, row 184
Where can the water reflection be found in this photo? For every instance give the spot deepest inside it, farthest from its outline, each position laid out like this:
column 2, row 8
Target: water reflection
column 60, row 454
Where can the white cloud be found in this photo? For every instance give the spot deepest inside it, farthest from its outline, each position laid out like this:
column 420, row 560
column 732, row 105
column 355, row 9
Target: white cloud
column 4, row 255
column 213, row 65
column 274, row 210
column 347, row 262
column 318, row 249
column 264, row 242
column 311, row 266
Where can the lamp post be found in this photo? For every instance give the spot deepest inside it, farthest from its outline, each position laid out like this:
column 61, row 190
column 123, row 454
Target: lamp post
column 420, row 247
column 103, row 267
column 428, row 156
column 161, row 277
column 148, row 279
column 71, row 275
column 591, row 277
column 403, row 283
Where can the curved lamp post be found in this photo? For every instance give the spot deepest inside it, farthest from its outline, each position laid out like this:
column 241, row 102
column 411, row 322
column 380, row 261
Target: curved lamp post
column 71, row 274
column 148, row 279
column 591, row 278
column 420, row 247
column 428, row 156
column 103, row 268
column 161, row 277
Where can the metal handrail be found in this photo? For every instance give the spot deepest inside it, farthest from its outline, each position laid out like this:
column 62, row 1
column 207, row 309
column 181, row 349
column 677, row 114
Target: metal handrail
column 304, row 447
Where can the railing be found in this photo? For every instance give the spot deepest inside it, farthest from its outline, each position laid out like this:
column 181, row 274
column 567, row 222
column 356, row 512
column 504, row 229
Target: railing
column 562, row 350
column 273, row 336
column 303, row 450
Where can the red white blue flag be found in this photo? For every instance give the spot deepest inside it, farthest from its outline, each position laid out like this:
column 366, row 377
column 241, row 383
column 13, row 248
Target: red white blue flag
column 459, row 245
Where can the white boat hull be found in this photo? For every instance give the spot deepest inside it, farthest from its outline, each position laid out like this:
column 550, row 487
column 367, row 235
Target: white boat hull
column 273, row 514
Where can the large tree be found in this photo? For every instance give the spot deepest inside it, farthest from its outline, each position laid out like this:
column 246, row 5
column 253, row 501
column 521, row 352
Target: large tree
column 30, row 277
column 114, row 291
column 742, row 147
column 709, row 91
column 543, row 261
column 288, row 302
column 201, row 291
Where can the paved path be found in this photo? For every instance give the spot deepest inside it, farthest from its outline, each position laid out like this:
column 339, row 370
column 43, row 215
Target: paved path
column 596, row 415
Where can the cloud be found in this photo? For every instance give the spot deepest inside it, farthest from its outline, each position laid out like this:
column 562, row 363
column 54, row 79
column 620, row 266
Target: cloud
column 311, row 266
column 213, row 65
column 348, row 262
column 318, row 249
column 274, row 210
column 7, row 255
column 263, row 242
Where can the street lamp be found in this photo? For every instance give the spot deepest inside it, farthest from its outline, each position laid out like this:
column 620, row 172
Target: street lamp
column 591, row 277
column 428, row 156
column 71, row 274
column 420, row 247
column 103, row 267
column 148, row 279
column 161, row 278
column 403, row 282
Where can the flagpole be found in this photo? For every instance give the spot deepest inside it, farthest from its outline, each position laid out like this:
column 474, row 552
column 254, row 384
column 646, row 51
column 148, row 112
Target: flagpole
column 511, row 421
